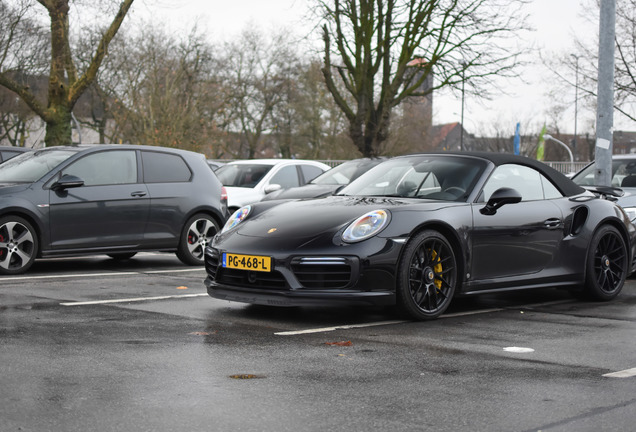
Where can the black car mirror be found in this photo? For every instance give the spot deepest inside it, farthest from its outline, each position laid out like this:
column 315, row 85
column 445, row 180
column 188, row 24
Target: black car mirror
column 499, row 198
column 67, row 181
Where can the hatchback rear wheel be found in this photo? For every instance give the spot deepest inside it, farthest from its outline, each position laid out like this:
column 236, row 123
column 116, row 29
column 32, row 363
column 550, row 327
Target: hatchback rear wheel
column 18, row 245
column 197, row 233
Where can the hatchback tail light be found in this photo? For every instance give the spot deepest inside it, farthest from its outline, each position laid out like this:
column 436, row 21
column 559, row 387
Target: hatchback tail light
column 223, row 195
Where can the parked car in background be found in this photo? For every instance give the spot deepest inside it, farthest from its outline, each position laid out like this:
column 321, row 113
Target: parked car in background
column 248, row 181
column 214, row 165
column 417, row 230
column 623, row 177
column 106, row 199
column 328, row 182
column 8, row 152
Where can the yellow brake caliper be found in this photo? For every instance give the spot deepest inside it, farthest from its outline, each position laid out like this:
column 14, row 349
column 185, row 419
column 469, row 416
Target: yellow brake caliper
column 438, row 269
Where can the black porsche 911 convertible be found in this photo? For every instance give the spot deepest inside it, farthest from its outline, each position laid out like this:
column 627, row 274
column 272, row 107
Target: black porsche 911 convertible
column 417, row 230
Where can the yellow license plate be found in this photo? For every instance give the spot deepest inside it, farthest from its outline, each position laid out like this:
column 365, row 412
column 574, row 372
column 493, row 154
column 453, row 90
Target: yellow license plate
column 247, row 262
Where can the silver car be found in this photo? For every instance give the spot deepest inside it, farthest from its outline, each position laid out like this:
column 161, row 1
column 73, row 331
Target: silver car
column 623, row 178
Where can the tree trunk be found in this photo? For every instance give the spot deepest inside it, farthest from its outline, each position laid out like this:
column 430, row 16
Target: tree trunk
column 65, row 86
column 58, row 129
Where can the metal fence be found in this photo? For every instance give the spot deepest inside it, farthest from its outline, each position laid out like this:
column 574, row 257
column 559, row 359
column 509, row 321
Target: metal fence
column 567, row 167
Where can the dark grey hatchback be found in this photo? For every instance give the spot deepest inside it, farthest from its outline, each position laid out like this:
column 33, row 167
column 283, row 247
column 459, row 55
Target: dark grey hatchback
column 107, row 199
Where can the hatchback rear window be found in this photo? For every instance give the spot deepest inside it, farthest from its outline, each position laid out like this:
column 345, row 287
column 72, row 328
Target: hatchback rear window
column 164, row 168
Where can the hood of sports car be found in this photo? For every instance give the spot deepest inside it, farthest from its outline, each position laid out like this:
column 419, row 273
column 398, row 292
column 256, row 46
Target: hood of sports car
column 303, row 219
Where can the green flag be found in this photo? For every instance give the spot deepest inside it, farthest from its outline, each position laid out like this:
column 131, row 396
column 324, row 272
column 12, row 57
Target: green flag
column 541, row 143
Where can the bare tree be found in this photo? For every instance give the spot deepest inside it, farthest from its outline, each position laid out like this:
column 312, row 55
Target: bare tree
column 259, row 68
column 369, row 43
column 66, row 82
column 580, row 69
column 322, row 124
column 20, row 33
column 161, row 90
column 307, row 123
column 16, row 120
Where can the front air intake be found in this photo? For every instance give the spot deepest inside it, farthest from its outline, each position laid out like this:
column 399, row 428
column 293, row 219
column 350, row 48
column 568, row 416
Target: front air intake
column 322, row 272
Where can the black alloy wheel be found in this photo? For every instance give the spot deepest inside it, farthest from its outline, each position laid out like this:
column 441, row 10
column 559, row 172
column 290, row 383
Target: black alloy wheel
column 607, row 264
column 197, row 233
column 427, row 276
column 18, row 245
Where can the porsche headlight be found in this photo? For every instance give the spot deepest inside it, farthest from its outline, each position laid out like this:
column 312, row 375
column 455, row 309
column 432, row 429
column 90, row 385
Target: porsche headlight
column 366, row 226
column 631, row 213
column 236, row 218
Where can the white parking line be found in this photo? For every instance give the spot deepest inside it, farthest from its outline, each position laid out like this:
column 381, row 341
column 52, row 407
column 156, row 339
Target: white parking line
column 130, row 300
column 342, row 327
column 627, row 373
column 97, row 274
column 476, row 312
column 374, row 324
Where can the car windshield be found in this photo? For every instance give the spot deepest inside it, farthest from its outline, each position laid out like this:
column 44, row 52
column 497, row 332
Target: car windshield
column 623, row 174
column 449, row 178
column 32, row 166
column 343, row 173
column 242, row 175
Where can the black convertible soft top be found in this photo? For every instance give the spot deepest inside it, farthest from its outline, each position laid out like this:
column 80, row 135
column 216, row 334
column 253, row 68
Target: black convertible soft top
column 564, row 184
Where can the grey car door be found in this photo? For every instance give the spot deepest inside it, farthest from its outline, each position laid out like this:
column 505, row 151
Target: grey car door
column 168, row 179
column 109, row 210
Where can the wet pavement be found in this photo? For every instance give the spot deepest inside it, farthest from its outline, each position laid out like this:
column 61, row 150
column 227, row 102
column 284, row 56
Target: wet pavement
column 92, row 344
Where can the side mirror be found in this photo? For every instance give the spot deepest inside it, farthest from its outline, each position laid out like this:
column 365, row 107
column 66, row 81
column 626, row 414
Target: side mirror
column 406, row 188
column 499, row 198
column 272, row 188
column 338, row 189
column 67, row 181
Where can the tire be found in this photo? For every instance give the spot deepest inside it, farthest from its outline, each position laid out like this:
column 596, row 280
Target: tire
column 122, row 256
column 18, row 245
column 607, row 264
column 197, row 232
column 427, row 276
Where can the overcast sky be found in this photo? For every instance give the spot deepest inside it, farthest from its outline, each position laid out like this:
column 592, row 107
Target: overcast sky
column 555, row 21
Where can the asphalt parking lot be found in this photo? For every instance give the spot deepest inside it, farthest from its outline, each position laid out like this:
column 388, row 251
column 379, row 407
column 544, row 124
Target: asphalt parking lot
column 93, row 344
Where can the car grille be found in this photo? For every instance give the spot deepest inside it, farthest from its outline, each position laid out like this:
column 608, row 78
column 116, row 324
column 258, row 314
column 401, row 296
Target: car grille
column 241, row 278
column 319, row 272
column 311, row 272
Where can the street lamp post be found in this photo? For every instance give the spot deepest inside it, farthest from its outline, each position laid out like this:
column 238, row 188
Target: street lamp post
column 576, row 98
column 547, row 137
column 461, row 136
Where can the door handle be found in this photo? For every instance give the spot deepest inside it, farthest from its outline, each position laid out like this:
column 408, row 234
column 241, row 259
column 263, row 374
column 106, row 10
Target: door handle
column 552, row 223
column 138, row 194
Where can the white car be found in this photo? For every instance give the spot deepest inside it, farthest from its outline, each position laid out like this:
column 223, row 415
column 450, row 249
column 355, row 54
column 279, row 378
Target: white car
column 248, row 181
column 623, row 181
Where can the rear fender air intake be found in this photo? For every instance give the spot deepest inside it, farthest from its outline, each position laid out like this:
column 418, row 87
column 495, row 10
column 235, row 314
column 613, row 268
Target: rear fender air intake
column 578, row 220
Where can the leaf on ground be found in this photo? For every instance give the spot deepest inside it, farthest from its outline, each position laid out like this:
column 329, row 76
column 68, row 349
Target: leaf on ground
column 341, row 343
column 246, row 376
column 182, row 287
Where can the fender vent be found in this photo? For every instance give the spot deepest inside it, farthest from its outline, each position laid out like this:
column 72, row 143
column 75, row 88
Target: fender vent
column 578, row 220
